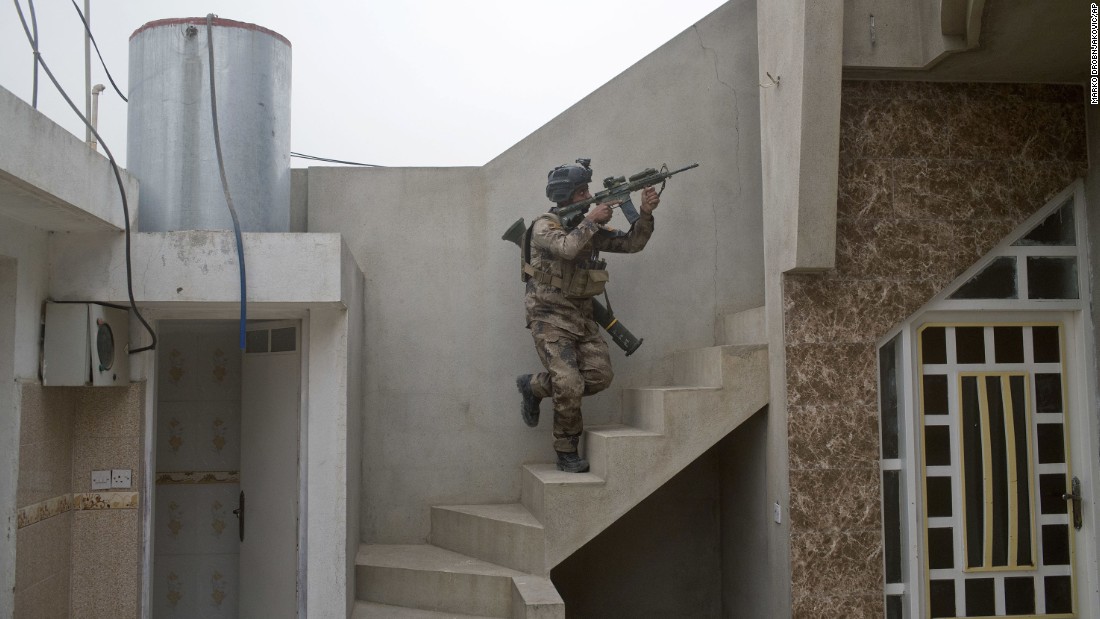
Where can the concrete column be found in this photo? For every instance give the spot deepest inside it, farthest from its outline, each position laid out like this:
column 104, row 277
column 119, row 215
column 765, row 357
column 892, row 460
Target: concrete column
column 330, row 567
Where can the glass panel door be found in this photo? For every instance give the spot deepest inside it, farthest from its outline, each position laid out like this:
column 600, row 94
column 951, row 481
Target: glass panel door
column 998, row 535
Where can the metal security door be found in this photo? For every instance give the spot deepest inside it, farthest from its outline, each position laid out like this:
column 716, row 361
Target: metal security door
column 268, row 510
column 1001, row 524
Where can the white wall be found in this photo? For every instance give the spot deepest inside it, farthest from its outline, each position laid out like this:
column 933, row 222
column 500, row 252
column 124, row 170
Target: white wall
column 444, row 332
column 28, row 246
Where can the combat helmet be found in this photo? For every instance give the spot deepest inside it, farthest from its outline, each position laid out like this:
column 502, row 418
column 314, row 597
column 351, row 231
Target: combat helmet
column 563, row 180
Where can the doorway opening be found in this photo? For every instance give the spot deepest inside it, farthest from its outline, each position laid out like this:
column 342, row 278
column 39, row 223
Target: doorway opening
column 225, row 504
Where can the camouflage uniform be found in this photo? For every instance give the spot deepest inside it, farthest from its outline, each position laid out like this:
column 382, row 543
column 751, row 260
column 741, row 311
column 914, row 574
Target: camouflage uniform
column 567, row 338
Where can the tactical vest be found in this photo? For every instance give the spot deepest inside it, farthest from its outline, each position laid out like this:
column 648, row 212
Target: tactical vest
column 574, row 282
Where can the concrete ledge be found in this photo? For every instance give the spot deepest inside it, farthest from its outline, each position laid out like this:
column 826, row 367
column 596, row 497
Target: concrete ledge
column 51, row 179
column 173, row 268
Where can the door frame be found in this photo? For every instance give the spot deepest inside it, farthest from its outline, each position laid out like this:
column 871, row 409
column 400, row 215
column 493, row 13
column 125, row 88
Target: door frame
column 146, row 369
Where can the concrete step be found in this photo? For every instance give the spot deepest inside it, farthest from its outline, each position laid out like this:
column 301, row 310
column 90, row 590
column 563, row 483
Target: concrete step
column 610, row 448
column 427, row 577
column 372, row 610
column 633, row 461
column 747, row 327
column 507, row 535
column 644, row 407
column 696, row 367
column 545, row 480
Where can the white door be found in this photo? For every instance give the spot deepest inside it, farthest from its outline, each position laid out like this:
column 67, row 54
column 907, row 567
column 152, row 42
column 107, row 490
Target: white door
column 270, row 397
column 1003, row 528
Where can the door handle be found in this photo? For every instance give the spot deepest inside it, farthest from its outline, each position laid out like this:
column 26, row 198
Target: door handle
column 239, row 513
column 1075, row 496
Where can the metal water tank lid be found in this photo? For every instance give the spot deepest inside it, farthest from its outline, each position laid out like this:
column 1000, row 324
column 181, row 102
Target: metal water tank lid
column 170, row 135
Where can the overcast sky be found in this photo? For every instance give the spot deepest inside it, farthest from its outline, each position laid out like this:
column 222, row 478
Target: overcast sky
column 396, row 83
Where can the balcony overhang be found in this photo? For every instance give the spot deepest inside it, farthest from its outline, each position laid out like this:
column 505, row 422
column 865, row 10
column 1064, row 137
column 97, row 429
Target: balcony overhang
column 51, row 179
column 198, row 270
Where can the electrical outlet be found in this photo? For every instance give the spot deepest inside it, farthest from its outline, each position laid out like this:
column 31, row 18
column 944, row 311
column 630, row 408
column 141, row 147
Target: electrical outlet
column 120, row 478
column 101, row 480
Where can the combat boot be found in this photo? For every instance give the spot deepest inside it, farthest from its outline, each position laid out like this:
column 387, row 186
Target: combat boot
column 572, row 462
column 529, row 408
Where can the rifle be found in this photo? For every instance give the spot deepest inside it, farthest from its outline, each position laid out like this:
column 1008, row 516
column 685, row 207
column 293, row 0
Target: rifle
column 618, row 188
column 622, row 336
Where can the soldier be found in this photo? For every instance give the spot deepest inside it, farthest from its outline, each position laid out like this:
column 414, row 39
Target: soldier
column 563, row 272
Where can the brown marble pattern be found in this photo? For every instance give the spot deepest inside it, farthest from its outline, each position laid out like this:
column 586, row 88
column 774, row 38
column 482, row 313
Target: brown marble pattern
column 931, row 177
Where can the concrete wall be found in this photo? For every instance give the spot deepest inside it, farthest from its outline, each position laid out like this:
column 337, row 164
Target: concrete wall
column 27, row 245
column 690, row 550
column 746, row 520
column 907, row 35
column 9, row 431
column 444, row 328
column 932, row 176
column 662, row 559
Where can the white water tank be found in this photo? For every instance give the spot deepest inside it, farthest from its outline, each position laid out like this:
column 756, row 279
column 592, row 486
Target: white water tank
column 170, row 135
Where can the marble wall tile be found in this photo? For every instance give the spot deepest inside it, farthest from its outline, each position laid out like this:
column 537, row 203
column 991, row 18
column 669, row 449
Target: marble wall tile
column 832, row 500
column 824, row 563
column 931, row 177
column 955, row 190
column 891, row 128
column 825, row 374
column 822, row 310
column 865, row 189
column 106, row 557
column 833, row 437
column 839, row 605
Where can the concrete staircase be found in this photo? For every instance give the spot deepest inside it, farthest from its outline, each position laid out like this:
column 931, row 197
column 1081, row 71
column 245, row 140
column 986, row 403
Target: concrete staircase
column 495, row 560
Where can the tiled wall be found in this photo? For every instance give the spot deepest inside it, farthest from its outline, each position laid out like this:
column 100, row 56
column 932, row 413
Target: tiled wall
column 195, row 571
column 78, row 551
column 44, row 499
column 932, row 176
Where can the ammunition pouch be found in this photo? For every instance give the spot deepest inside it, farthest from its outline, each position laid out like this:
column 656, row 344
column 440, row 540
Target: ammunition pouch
column 583, row 283
column 574, row 282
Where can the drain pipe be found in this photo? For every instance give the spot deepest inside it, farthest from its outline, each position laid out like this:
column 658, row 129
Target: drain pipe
column 98, row 88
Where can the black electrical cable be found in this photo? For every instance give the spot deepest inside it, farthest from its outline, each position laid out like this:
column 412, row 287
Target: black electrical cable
column 88, row 29
column 118, row 179
column 316, row 158
column 221, row 170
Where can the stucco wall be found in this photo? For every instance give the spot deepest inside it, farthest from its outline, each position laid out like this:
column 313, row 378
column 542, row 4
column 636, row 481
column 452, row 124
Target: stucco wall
column 444, row 330
column 932, row 176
